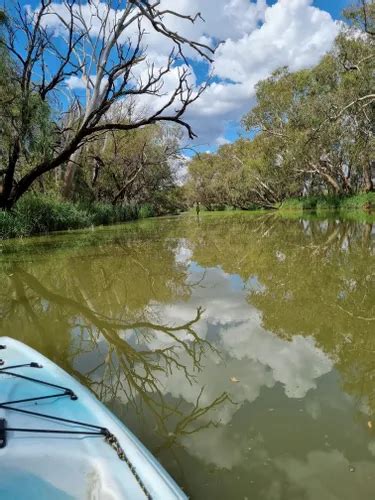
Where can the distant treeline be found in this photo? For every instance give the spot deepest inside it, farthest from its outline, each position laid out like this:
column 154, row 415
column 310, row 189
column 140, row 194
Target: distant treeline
column 311, row 131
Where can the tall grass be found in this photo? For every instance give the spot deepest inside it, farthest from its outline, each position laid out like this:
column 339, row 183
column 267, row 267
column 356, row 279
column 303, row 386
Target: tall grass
column 321, row 203
column 36, row 214
column 363, row 200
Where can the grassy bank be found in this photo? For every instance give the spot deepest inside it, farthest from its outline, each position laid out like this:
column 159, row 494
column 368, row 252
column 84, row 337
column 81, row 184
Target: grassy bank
column 364, row 201
column 39, row 214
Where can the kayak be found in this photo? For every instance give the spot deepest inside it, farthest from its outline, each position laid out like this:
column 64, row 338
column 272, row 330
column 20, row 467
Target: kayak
column 57, row 441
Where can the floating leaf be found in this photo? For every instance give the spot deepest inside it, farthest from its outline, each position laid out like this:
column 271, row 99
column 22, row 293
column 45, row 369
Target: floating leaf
column 234, row 380
column 369, row 424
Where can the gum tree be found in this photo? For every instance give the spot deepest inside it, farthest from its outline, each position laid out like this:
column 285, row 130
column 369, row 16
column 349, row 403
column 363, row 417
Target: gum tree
column 102, row 47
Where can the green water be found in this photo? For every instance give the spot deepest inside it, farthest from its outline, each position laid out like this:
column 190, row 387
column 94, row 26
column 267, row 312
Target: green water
column 240, row 349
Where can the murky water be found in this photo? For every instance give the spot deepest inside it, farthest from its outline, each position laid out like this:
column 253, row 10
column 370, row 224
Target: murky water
column 239, row 348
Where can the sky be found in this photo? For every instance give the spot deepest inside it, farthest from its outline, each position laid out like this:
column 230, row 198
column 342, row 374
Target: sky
column 257, row 37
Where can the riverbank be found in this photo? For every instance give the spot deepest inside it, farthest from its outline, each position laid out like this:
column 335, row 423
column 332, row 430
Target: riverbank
column 363, row 201
column 40, row 215
column 36, row 214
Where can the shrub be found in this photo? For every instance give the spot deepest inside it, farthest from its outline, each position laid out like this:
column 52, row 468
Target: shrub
column 292, row 204
column 41, row 214
column 328, row 203
column 145, row 211
column 35, row 214
column 12, row 226
column 363, row 200
column 101, row 213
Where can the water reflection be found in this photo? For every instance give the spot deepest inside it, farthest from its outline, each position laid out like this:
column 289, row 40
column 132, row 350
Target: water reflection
column 239, row 349
column 120, row 361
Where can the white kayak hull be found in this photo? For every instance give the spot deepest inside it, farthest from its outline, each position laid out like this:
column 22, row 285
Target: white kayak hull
column 68, row 466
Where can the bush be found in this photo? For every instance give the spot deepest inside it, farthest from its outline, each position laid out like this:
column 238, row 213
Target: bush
column 12, row 226
column 35, row 214
column 40, row 214
column 332, row 202
column 292, row 204
column 328, row 203
column 145, row 211
column 101, row 213
column 363, row 200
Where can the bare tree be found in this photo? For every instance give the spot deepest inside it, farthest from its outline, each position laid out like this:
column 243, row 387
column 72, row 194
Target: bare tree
column 101, row 45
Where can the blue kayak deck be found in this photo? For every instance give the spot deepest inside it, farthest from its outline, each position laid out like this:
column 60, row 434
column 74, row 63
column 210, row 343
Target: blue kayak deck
column 68, row 466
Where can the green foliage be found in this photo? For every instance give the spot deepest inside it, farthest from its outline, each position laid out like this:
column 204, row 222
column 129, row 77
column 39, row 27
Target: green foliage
column 12, row 226
column 145, row 211
column 40, row 214
column 132, row 167
column 292, row 204
column 329, row 202
column 312, row 142
column 106, row 213
column 36, row 214
column 363, row 200
column 320, row 203
column 25, row 121
column 101, row 213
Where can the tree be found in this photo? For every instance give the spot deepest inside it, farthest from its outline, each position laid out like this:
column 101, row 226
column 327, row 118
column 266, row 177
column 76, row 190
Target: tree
column 102, row 46
column 243, row 175
column 323, row 118
column 130, row 166
column 312, row 130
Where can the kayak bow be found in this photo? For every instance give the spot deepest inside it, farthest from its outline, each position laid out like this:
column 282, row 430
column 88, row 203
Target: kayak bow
column 57, row 441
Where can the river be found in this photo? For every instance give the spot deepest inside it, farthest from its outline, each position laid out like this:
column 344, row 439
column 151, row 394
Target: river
column 239, row 348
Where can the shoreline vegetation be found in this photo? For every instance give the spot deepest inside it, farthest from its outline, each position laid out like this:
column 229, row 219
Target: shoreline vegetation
column 306, row 144
column 37, row 214
column 362, row 201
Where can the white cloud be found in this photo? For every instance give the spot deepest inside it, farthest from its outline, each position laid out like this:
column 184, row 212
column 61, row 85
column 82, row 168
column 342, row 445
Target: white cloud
column 326, row 474
column 220, row 141
column 257, row 39
column 294, row 34
column 75, row 83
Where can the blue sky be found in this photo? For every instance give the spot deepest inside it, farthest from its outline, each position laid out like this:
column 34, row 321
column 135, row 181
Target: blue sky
column 314, row 23
column 334, row 7
column 258, row 36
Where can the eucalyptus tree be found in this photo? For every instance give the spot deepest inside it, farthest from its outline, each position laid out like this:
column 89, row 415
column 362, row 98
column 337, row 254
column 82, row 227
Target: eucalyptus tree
column 130, row 166
column 321, row 119
column 357, row 58
column 289, row 110
column 102, row 47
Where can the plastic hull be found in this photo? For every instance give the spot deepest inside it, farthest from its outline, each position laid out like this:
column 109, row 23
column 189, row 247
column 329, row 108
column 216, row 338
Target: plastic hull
column 61, row 467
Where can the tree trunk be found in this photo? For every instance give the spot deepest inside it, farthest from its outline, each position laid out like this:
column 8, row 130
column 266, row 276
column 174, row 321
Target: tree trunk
column 9, row 176
column 367, row 177
column 69, row 175
column 331, row 181
column 127, row 185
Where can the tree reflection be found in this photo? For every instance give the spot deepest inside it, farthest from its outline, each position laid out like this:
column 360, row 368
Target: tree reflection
column 72, row 314
column 284, row 300
column 309, row 276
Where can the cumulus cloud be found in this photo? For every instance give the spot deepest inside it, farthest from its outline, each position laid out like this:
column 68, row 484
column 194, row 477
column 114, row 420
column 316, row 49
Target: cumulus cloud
column 256, row 38
column 255, row 356
column 317, row 476
column 76, row 83
column 293, row 33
